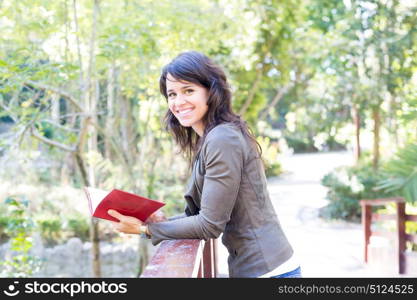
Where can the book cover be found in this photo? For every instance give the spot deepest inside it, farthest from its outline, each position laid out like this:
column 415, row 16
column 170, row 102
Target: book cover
column 100, row 201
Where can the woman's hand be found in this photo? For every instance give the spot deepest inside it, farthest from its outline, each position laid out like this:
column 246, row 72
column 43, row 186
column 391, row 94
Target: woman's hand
column 127, row 224
column 156, row 217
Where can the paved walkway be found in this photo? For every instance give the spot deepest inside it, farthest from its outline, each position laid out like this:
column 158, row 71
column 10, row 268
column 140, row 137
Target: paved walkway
column 324, row 249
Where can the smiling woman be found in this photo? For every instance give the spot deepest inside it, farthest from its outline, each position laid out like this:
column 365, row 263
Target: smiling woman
column 227, row 193
column 187, row 102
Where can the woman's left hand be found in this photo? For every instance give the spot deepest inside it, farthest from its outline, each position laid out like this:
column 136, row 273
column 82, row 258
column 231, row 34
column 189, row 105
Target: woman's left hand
column 127, row 224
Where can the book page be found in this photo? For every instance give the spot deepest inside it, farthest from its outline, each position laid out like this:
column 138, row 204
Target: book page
column 94, row 197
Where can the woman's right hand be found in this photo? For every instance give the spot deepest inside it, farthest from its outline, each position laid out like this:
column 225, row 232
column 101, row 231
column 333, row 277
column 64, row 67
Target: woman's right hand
column 156, row 217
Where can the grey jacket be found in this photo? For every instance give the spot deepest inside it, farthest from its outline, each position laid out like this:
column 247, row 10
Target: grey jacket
column 227, row 193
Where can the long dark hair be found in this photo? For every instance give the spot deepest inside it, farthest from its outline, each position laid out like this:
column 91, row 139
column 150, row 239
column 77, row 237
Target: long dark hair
column 195, row 67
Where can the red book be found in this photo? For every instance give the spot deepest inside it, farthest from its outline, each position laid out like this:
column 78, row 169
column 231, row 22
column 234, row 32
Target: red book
column 100, row 201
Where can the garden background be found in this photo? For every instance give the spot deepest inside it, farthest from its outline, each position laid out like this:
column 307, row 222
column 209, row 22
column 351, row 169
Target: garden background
column 80, row 106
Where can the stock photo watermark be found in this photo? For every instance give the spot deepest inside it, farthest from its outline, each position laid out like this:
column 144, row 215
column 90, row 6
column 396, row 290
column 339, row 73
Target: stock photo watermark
column 70, row 289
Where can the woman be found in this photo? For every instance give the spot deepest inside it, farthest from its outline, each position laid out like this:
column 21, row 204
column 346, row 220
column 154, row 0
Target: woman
column 227, row 192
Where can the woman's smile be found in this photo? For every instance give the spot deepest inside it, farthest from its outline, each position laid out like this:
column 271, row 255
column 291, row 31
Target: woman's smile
column 184, row 112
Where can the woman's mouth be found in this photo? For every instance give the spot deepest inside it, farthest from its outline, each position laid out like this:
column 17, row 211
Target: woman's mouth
column 184, row 112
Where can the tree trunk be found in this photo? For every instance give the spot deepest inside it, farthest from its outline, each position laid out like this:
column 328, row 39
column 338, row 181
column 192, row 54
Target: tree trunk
column 94, row 237
column 376, row 116
column 123, row 127
column 91, row 95
column 249, row 99
column 55, row 108
column 393, row 120
column 80, row 61
column 110, row 110
column 67, row 170
column 143, row 255
column 357, row 122
column 127, row 128
column 150, row 185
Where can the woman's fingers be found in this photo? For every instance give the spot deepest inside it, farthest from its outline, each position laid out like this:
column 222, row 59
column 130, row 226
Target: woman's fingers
column 115, row 214
column 127, row 224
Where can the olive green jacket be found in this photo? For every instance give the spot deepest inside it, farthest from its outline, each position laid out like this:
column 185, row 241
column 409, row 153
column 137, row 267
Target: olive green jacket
column 227, row 193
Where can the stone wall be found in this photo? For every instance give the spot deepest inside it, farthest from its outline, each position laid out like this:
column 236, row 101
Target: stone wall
column 74, row 259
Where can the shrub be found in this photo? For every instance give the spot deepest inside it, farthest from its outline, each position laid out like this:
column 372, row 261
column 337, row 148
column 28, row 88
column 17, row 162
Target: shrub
column 50, row 229
column 300, row 145
column 401, row 174
column 270, row 156
column 4, row 220
column 348, row 185
column 19, row 229
column 78, row 226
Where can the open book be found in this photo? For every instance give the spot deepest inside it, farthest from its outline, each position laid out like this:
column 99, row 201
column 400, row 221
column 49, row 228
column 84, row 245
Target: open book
column 100, row 201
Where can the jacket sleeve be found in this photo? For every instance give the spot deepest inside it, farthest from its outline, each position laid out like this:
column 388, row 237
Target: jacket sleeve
column 223, row 155
column 176, row 217
column 185, row 214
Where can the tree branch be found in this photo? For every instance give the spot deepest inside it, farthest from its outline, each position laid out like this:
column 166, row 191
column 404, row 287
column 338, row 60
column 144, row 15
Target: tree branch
column 278, row 96
column 80, row 61
column 60, row 126
column 281, row 93
column 83, row 134
column 64, row 94
column 252, row 92
column 34, row 133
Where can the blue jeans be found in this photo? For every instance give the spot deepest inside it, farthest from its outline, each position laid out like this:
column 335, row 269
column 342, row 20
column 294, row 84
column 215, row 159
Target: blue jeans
column 296, row 273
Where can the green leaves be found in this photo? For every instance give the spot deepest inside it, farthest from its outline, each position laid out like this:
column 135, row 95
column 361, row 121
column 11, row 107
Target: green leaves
column 19, row 229
column 347, row 186
column 402, row 173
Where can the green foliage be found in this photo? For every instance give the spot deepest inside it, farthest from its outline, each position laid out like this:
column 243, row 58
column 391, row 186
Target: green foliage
column 78, row 226
column 4, row 221
column 401, row 173
column 50, row 228
column 270, row 152
column 300, row 144
column 19, row 228
column 411, row 228
column 346, row 187
column 56, row 230
column 330, row 54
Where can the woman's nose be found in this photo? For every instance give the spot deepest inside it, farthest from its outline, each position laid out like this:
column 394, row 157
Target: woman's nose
column 179, row 100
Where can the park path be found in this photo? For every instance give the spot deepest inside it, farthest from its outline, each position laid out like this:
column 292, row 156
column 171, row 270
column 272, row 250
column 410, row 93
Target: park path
column 324, row 248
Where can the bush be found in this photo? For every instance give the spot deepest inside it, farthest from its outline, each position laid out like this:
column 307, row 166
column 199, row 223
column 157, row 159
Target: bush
column 4, row 220
column 331, row 144
column 348, row 185
column 19, row 229
column 50, row 229
column 301, row 145
column 401, row 174
column 270, row 156
column 273, row 169
column 78, row 226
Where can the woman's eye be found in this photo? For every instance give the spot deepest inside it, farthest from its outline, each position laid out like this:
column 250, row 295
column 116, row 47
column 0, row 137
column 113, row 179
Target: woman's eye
column 170, row 95
column 188, row 91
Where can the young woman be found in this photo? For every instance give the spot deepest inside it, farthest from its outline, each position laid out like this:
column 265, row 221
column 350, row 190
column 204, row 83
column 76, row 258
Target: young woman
column 227, row 192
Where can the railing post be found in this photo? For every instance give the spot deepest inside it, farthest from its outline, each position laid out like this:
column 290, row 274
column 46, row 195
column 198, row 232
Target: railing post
column 201, row 268
column 215, row 258
column 176, row 258
column 401, row 238
column 366, row 224
column 190, row 258
column 209, row 259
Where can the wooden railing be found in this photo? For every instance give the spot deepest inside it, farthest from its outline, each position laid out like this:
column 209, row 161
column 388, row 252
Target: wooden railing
column 400, row 236
column 184, row 258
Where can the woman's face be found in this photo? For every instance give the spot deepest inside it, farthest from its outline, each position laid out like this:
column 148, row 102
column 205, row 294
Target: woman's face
column 188, row 102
